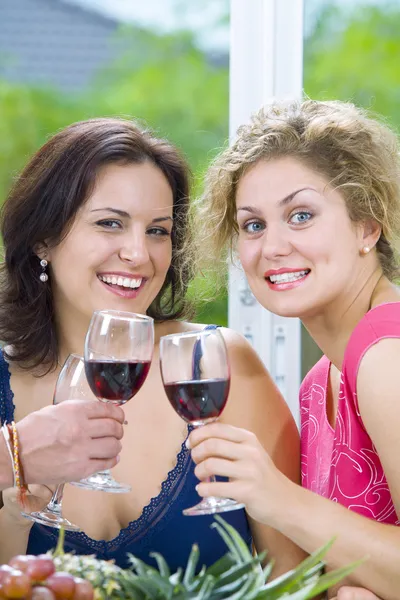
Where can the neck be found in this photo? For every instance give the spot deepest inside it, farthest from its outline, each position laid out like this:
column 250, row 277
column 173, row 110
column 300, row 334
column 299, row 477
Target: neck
column 71, row 333
column 331, row 328
column 72, row 329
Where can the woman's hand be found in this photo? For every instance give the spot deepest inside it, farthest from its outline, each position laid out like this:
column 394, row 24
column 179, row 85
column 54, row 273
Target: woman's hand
column 355, row 593
column 228, row 451
column 36, row 498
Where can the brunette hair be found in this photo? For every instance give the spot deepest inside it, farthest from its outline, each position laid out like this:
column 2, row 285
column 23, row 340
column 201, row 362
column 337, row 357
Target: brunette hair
column 42, row 206
column 356, row 153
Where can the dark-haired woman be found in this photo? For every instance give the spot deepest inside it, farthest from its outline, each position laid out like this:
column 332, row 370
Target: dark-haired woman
column 105, row 205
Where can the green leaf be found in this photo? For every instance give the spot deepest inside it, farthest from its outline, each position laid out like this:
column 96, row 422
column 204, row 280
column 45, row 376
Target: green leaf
column 281, row 584
column 237, row 572
column 140, row 566
column 235, row 540
column 206, row 588
column 176, row 578
column 304, row 594
column 161, row 564
column 191, row 566
column 333, row 577
column 245, row 589
column 221, row 565
column 268, row 569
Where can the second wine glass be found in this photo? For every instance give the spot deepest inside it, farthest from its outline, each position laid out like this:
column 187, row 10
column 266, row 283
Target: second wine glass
column 118, row 352
column 196, row 377
column 71, row 384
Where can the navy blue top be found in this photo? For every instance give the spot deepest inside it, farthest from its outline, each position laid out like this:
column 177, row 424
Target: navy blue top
column 161, row 527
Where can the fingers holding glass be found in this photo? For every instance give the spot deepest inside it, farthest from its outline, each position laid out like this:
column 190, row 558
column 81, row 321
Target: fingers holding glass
column 118, row 352
column 196, row 377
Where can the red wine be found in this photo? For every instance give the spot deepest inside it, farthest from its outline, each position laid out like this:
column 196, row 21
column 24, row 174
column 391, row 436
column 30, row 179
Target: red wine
column 117, row 382
column 198, row 400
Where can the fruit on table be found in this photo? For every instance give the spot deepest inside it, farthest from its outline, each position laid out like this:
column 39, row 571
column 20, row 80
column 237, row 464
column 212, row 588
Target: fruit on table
column 35, row 578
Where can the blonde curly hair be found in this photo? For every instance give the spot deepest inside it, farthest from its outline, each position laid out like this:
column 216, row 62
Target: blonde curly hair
column 353, row 151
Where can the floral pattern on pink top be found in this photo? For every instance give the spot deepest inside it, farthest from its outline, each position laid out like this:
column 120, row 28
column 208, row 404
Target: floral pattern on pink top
column 342, row 464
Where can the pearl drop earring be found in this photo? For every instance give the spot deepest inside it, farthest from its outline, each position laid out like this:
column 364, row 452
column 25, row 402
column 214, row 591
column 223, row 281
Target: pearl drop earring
column 43, row 276
column 365, row 250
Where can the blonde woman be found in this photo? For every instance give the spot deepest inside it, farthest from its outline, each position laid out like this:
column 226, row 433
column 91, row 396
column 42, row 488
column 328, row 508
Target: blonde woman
column 309, row 195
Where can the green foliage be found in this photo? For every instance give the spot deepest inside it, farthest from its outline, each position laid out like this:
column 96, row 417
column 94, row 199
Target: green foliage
column 354, row 55
column 236, row 576
column 174, row 89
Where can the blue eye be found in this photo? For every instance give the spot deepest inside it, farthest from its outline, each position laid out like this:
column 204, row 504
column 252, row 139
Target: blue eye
column 300, row 217
column 253, row 227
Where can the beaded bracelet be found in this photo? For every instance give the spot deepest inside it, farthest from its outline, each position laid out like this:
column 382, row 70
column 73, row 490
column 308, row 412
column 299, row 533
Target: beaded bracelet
column 18, row 472
column 6, row 435
column 16, row 455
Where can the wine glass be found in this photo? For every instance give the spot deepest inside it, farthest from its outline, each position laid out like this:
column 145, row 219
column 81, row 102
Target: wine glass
column 71, row 384
column 118, row 352
column 196, row 377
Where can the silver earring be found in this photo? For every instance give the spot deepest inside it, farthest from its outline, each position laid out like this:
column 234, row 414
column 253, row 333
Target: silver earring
column 365, row 250
column 43, row 276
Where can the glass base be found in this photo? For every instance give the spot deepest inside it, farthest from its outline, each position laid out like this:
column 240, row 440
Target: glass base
column 212, row 505
column 51, row 519
column 102, row 482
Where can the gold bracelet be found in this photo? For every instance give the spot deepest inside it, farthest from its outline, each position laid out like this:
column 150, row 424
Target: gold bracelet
column 18, row 473
column 16, row 455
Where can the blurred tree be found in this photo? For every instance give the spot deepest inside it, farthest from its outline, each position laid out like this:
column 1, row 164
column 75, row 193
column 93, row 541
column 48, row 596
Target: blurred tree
column 28, row 116
column 174, row 89
column 353, row 54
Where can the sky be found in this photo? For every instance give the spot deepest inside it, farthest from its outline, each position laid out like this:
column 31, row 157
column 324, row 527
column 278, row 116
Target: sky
column 167, row 15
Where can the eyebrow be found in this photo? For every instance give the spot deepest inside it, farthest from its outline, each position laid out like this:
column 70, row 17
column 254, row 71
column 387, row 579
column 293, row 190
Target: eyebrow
column 126, row 215
column 286, row 200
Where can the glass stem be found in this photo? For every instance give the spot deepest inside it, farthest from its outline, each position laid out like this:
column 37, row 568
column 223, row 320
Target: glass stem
column 212, row 478
column 55, row 504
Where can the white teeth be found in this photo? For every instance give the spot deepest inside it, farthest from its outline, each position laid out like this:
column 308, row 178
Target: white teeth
column 287, row 277
column 126, row 282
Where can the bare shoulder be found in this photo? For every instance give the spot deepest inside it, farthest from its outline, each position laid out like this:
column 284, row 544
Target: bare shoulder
column 244, row 359
column 378, row 400
column 381, row 357
column 171, row 327
column 256, row 404
column 377, row 376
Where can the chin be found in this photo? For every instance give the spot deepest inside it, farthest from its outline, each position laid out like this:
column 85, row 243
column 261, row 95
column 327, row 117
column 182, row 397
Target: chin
column 284, row 310
column 289, row 313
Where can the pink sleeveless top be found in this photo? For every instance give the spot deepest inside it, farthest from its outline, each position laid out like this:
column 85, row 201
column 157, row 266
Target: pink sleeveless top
column 342, row 463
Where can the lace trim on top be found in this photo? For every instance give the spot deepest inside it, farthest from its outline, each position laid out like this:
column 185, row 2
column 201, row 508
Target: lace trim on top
column 158, row 510
column 7, row 407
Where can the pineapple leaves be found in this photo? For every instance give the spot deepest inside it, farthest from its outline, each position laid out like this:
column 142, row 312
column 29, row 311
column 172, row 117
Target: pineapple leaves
column 238, row 575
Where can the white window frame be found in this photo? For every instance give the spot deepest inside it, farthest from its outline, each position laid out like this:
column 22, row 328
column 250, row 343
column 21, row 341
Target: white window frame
column 266, row 61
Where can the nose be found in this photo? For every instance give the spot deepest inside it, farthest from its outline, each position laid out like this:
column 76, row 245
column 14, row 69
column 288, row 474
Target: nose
column 276, row 242
column 134, row 249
